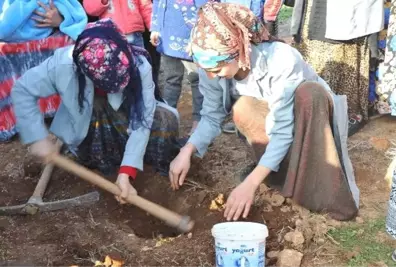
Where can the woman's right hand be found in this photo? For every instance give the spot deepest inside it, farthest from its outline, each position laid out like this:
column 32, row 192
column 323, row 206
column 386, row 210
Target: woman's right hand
column 180, row 166
column 154, row 38
column 43, row 148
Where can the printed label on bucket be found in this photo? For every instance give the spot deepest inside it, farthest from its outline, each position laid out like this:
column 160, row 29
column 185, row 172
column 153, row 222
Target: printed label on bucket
column 240, row 255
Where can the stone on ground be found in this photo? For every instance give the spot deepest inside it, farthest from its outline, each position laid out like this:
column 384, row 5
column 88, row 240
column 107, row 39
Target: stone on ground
column 289, row 258
column 296, row 238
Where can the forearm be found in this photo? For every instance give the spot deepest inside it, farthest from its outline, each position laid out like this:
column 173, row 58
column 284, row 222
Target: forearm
column 189, row 149
column 258, row 175
column 136, row 148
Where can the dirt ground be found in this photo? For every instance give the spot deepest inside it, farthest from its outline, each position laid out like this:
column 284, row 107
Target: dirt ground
column 81, row 236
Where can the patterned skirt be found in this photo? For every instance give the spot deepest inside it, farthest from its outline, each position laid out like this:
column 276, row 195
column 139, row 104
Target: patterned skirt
column 103, row 148
column 386, row 71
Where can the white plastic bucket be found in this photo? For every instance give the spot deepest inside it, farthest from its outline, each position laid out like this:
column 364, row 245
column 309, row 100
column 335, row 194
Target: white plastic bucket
column 240, row 244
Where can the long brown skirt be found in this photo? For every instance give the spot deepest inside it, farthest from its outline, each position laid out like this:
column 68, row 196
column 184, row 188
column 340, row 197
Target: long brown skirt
column 312, row 173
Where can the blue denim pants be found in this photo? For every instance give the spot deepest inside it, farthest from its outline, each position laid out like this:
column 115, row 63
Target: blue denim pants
column 174, row 72
column 135, row 38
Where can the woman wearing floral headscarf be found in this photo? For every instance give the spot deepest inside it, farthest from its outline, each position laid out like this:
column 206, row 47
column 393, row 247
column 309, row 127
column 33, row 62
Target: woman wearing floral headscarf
column 295, row 124
column 109, row 115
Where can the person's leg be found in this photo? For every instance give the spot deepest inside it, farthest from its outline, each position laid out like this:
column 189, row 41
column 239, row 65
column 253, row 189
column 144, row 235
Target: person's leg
column 312, row 173
column 173, row 72
column 229, row 127
column 197, row 97
column 249, row 116
column 316, row 174
column 135, row 38
column 155, row 56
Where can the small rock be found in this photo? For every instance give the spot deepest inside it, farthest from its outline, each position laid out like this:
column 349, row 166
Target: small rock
column 272, row 254
column 381, row 144
column 304, row 213
column 189, row 235
column 289, row 258
column 296, row 238
column 263, row 188
column 276, row 200
column 268, row 208
column 320, row 241
column 359, row 220
column 285, row 209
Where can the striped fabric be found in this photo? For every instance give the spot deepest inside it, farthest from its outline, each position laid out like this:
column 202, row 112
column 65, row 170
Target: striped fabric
column 104, row 146
column 15, row 59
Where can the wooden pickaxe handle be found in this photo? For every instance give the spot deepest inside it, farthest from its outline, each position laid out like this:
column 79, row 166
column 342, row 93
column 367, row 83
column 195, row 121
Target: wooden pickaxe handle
column 182, row 223
column 45, row 176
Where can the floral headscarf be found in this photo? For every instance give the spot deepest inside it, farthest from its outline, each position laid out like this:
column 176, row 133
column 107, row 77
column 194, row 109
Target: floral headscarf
column 102, row 60
column 103, row 54
column 224, row 32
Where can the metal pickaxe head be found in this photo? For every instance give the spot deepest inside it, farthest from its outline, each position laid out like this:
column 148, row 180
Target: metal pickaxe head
column 36, row 204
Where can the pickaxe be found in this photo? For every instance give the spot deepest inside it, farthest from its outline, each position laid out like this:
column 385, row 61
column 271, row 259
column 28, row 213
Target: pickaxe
column 36, row 204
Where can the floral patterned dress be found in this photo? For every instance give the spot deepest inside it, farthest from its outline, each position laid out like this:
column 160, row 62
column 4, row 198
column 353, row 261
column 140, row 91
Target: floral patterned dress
column 391, row 218
column 387, row 94
column 387, row 71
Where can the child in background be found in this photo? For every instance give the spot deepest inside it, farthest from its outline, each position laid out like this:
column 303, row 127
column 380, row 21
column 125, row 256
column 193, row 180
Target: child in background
column 23, row 21
column 131, row 16
column 171, row 26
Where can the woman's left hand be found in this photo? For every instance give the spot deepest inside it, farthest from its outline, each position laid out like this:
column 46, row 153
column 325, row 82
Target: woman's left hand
column 50, row 19
column 240, row 201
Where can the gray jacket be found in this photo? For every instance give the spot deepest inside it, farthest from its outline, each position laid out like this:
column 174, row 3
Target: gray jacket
column 57, row 75
column 278, row 69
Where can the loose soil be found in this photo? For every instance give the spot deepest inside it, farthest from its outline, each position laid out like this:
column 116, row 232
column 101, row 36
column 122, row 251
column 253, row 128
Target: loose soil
column 83, row 235
column 80, row 236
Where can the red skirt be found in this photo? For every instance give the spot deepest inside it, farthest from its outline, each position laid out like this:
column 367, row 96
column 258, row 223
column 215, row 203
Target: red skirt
column 16, row 59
